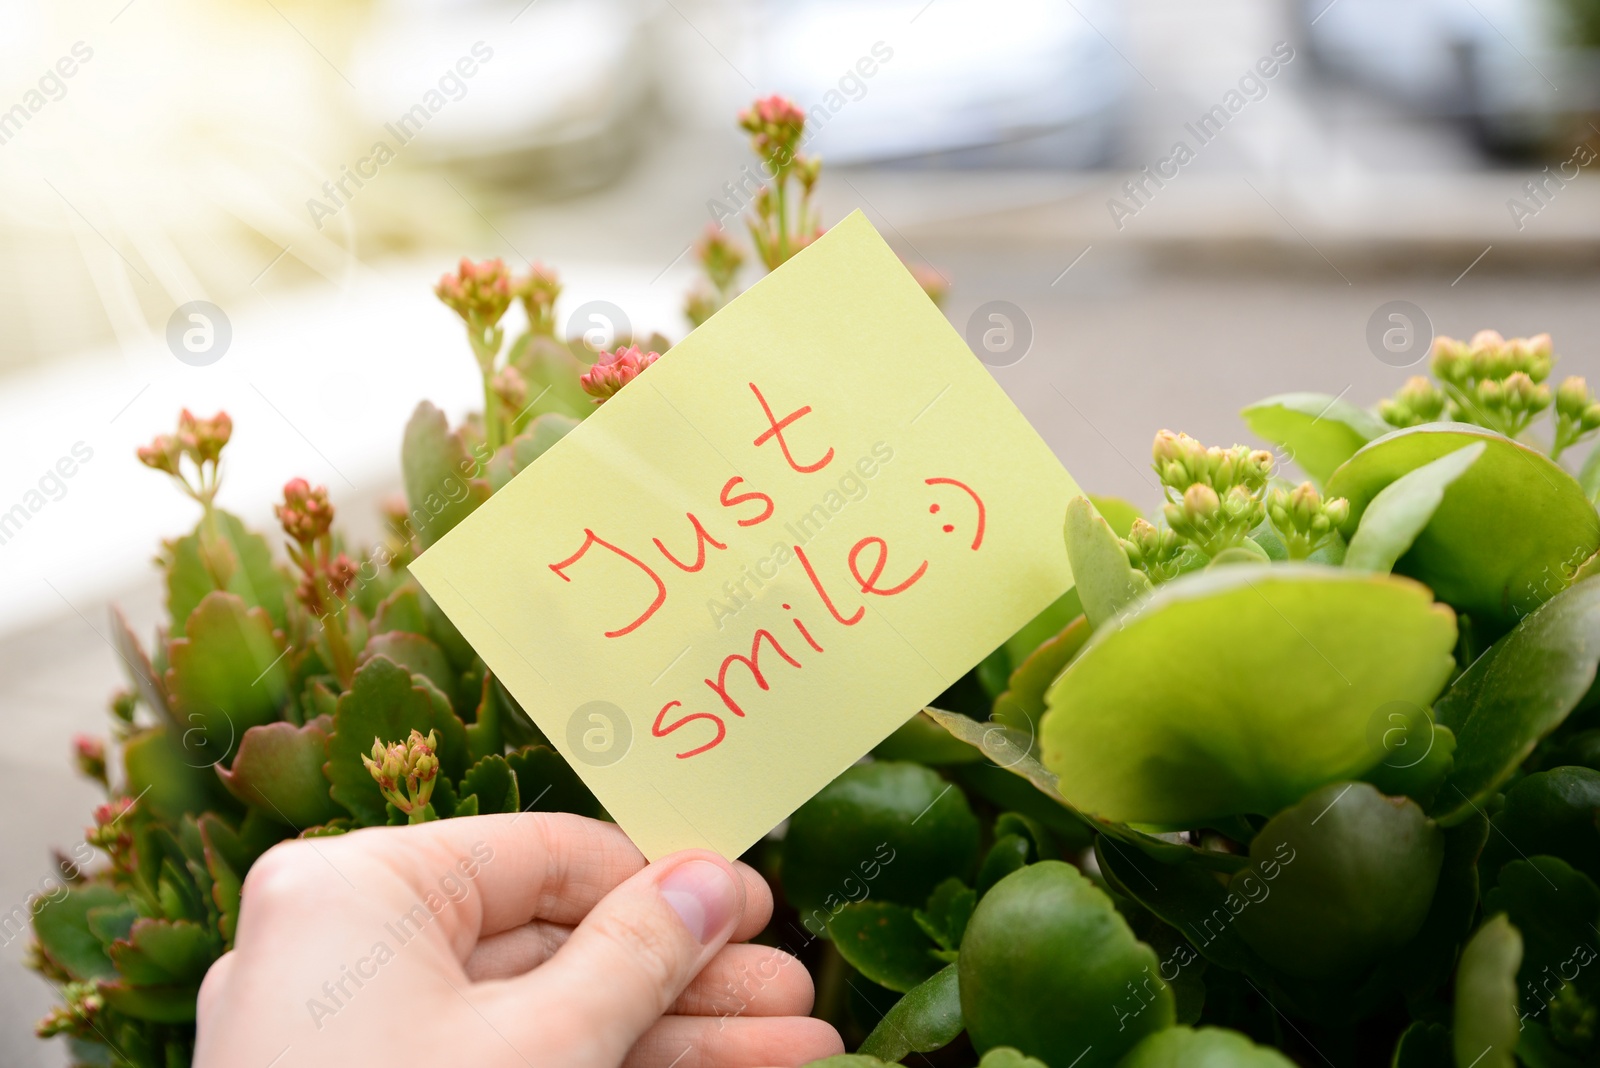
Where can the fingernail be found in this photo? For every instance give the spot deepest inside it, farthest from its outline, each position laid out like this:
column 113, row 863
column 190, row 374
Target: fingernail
column 703, row 896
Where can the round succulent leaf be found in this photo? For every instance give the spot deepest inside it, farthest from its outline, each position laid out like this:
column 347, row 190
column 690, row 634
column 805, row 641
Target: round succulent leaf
column 1205, row 1047
column 156, row 1004
column 493, row 783
column 1425, row 963
column 278, row 770
column 417, row 655
column 1589, row 476
column 1356, row 872
column 1239, row 690
column 895, row 828
column 1106, row 582
column 884, row 942
column 1047, row 966
column 401, row 611
column 61, row 924
column 1517, row 693
column 1487, row 1023
column 440, row 475
column 225, row 676
column 1403, row 509
column 1319, row 432
column 547, row 783
column 165, row 953
column 1006, row 1057
column 230, row 557
column 926, row 1019
column 1508, row 532
column 1551, row 812
column 1008, row 854
column 168, row 776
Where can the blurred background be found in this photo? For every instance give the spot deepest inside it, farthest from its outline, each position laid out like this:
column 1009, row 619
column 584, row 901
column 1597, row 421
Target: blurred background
column 310, row 168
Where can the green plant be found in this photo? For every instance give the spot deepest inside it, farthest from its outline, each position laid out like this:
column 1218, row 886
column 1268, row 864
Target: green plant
column 1299, row 773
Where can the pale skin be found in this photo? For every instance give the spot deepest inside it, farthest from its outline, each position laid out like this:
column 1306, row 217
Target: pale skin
column 539, row 939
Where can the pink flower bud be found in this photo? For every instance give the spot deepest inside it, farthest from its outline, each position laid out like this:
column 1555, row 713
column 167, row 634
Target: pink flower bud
column 305, row 513
column 478, row 292
column 613, row 370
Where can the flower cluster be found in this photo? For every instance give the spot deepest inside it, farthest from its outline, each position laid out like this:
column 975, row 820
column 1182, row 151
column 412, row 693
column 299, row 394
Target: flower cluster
column 1495, row 382
column 1577, row 413
column 538, row 290
column 777, row 129
column 1303, row 519
column 721, row 260
column 326, row 574
column 613, row 370
column 1417, row 402
column 89, row 754
column 1214, row 495
column 481, row 293
column 1157, row 551
column 405, row 772
column 775, row 125
column 200, row 441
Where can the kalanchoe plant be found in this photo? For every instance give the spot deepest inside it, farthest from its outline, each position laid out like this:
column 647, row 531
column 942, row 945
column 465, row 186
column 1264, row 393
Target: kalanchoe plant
column 1300, row 772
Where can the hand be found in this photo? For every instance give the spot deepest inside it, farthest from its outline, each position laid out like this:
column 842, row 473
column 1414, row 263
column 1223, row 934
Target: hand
column 538, row 939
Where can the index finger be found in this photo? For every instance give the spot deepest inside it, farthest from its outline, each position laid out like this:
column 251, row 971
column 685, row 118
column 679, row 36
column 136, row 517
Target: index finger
column 549, row 866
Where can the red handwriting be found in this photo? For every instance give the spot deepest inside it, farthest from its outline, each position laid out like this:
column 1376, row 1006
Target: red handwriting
column 977, row 539
column 775, row 428
column 729, row 502
column 866, row 562
column 591, row 538
column 870, row 583
column 661, row 732
column 752, row 663
column 701, row 538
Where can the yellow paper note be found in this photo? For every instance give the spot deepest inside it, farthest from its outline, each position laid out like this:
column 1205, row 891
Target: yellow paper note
column 766, row 553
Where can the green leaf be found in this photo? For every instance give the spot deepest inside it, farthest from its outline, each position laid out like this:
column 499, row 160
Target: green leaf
column 921, row 740
column 1403, row 509
column 847, row 1060
column 386, row 702
column 163, row 953
column 1417, row 752
column 62, row 926
column 441, row 480
column 1356, row 872
column 235, row 554
column 1427, row 960
column 883, row 942
column 1486, row 1017
column 401, row 611
column 949, row 909
column 225, row 677
column 1008, row 854
column 1208, row 1047
column 1006, row 1057
column 278, row 769
column 1589, row 477
column 1507, row 534
column 551, row 371
column 895, row 829
column 1515, row 694
column 1013, row 764
column 1022, row 705
column 1551, row 812
column 926, row 1019
column 1047, row 967
column 166, row 777
column 484, row 734
column 547, row 783
column 1107, row 583
column 1424, row 1045
column 1319, row 432
column 157, row 1004
column 514, row 456
column 141, row 673
column 493, row 783
column 1062, row 611
column 1557, row 910
column 1239, row 690
column 417, row 655
column 1118, row 513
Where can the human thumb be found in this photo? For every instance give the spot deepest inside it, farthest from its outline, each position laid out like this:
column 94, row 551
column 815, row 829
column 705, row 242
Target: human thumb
column 640, row 946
